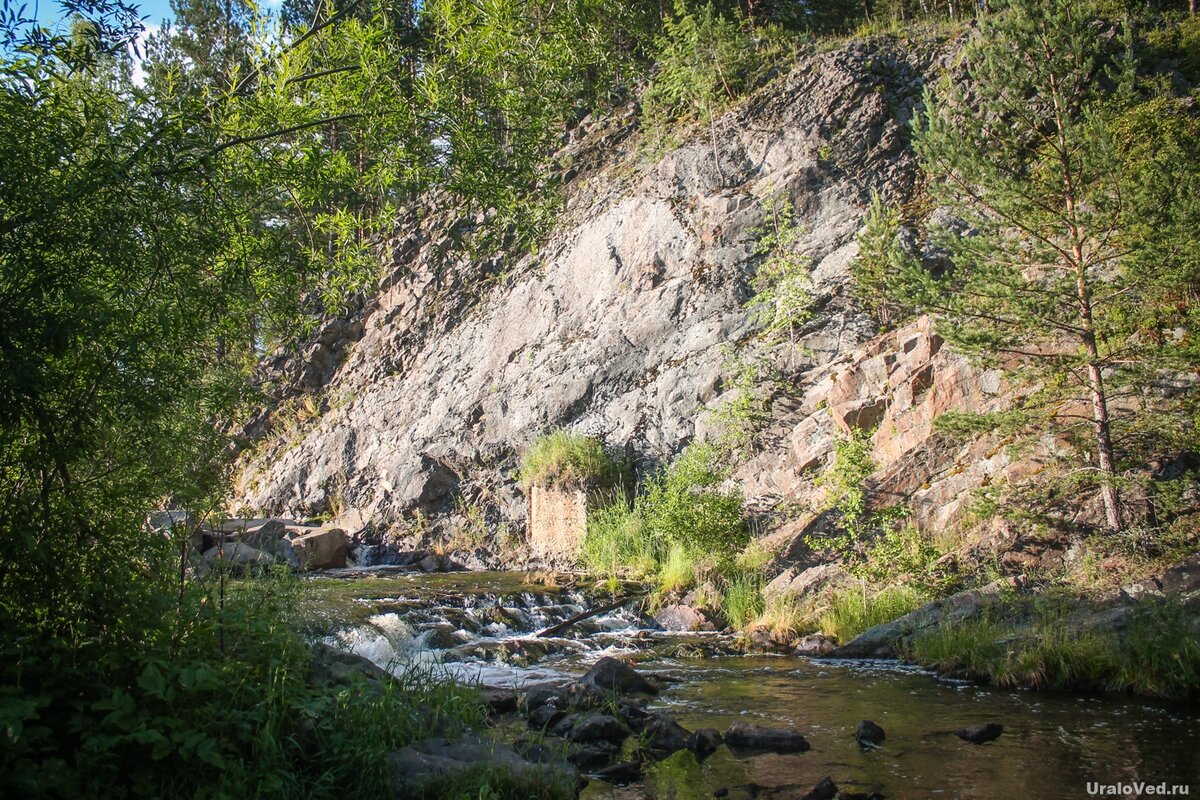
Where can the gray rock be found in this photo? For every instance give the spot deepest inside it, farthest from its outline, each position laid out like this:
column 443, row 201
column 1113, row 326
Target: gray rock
column 979, row 734
column 333, row 667
column 825, row 790
column 595, row 728
column 704, row 742
column 619, row 774
column 679, row 617
column 423, row 762
column 611, row 674
column 662, row 735
column 744, row 736
column 869, row 734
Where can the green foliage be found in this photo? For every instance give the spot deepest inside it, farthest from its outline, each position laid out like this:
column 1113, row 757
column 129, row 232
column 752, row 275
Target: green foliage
column 743, row 410
column 1157, row 655
column 902, row 552
column 212, row 702
column 853, row 610
column 615, row 544
column 685, row 505
column 706, row 60
column 743, row 599
column 563, row 458
column 781, row 300
column 677, row 571
column 846, row 490
column 1060, row 279
column 880, row 259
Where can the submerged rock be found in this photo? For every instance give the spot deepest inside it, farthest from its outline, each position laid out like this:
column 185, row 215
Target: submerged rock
column 662, row 735
column 979, row 734
column 609, row 673
column 744, row 736
column 620, row 773
column 869, row 734
column 704, row 742
column 825, row 790
column 420, row 763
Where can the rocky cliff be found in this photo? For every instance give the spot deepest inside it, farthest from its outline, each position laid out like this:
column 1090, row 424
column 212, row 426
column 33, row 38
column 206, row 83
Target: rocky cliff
column 620, row 325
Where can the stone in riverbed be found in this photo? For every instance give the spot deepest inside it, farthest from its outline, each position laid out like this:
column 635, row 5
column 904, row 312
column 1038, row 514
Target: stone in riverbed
column 662, row 735
column 744, row 736
column 825, row 790
column 704, row 742
column 420, row 763
column 682, row 618
column 609, row 673
column 499, row 700
column 324, row 548
column 595, row 728
column 979, row 734
column 869, row 734
column 620, row 774
column 544, row 716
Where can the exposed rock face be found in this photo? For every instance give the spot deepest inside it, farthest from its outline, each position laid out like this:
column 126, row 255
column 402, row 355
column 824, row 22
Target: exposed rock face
column 619, row 324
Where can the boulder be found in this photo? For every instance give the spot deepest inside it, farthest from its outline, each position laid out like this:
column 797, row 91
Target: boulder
column 617, row 676
column 420, row 763
column 979, row 734
column 679, row 617
column 815, row 644
column 240, row 556
column 545, row 716
column 869, row 734
column 880, row 641
column 704, row 742
column 744, row 736
column 325, row 548
column 595, row 728
column 333, row 667
column 621, row 773
column 499, row 700
column 825, row 790
column 539, row 696
column 662, row 735
column 592, row 756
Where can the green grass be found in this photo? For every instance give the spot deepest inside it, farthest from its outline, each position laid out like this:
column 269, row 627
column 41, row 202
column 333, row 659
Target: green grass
column 616, row 545
column 851, row 611
column 743, row 599
column 1158, row 654
column 562, row 458
column 677, row 571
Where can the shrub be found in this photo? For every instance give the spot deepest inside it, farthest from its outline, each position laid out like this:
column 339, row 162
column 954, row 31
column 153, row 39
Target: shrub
column 705, row 61
column 684, row 505
column 782, row 301
column 880, row 258
column 563, row 458
column 214, row 703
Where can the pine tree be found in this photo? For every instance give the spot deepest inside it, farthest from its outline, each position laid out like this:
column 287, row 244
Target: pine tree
column 1022, row 153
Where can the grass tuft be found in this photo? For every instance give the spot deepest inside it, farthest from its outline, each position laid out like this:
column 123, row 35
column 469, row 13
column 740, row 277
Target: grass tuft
column 563, row 458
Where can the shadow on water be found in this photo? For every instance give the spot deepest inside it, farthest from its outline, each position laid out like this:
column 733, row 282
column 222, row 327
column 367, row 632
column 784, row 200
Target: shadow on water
column 480, row 627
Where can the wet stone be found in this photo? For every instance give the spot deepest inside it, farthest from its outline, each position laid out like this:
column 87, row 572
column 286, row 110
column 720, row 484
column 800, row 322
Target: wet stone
column 869, row 734
column 979, row 734
column 620, row 774
column 743, row 736
column 609, row 673
column 704, row 742
column 825, row 790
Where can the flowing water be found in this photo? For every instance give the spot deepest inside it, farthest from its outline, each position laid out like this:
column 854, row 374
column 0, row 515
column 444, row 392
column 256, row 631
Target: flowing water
column 481, row 626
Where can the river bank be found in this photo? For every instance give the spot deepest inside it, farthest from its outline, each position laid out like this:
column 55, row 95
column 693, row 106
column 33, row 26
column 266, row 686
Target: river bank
column 482, row 628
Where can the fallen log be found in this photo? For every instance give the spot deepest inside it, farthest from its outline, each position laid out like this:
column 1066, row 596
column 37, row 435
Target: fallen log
column 567, row 623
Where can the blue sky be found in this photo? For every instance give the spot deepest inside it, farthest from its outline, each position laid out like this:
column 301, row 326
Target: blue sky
column 49, row 12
